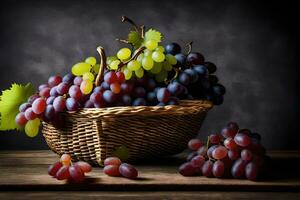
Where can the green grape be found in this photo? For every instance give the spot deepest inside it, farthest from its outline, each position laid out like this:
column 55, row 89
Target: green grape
column 140, row 58
column 91, row 60
column 110, row 59
column 147, row 52
column 160, row 48
column 158, row 56
column 139, row 73
column 124, row 53
column 133, row 65
column 171, row 59
column 160, row 77
column 86, row 86
column 167, row 66
column 147, row 63
column 80, row 68
column 88, row 76
column 32, row 127
column 151, row 44
column 96, row 68
column 127, row 73
column 114, row 64
column 156, row 68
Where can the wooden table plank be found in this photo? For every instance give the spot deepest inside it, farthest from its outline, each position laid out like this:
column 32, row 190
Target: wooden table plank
column 27, row 170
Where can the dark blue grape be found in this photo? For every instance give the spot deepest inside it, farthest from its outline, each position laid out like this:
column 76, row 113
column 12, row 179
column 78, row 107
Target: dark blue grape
column 151, row 98
column 139, row 92
column 109, row 96
column 175, row 88
column 105, row 85
column 180, row 59
column 150, row 84
column 126, row 100
column 193, row 75
column 218, row 90
column 211, row 67
column 194, row 58
column 139, row 102
column 163, row 95
column 201, row 70
column 205, row 83
column 173, row 48
column 184, row 79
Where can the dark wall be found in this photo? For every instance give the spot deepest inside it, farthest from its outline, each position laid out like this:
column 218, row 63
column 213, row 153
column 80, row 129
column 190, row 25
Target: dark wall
column 252, row 43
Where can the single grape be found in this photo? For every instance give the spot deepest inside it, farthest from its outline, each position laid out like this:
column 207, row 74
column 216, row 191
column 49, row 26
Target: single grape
column 59, row 103
column 88, row 76
column 54, row 80
column 114, row 65
column 163, row 95
column 29, row 114
column 86, row 87
column 174, row 88
column 24, row 106
column 198, row 161
column 112, row 161
column 233, row 154
column 246, row 155
column 112, row 170
column 207, row 168
column 109, row 96
column 52, row 170
column 32, row 98
column 68, row 78
column 158, row 56
column 128, row 171
column 218, row 90
column 91, row 60
column 173, row 48
column 124, row 54
column 39, row 106
column 96, row 97
column 171, row 59
column 242, row 140
column 115, row 88
column 75, row 92
column 187, row 169
column 210, row 150
column 194, row 144
column 72, row 104
column 84, row 166
column 110, row 77
column 184, row 79
column 139, row 102
column 76, row 173
column 128, row 73
column 21, row 119
column 202, row 151
column 77, row 80
column 228, row 132
column 65, row 159
column 49, row 113
column 219, row 153
column 214, row 139
column 63, row 173
column 110, row 59
column 43, row 86
column 126, row 100
column 218, row 169
column 133, row 65
column 62, row 88
column 151, row 45
column 80, row 68
column 229, row 143
column 238, row 169
column 139, row 72
column 211, row 67
column 127, row 87
column 160, row 48
column 53, row 92
column 251, row 171
column 139, row 92
column 88, row 104
column 192, row 74
column 191, row 156
column 45, row 92
column 120, row 77
column 151, row 84
column 32, row 127
column 194, row 58
column 140, row 58
column 181, row 59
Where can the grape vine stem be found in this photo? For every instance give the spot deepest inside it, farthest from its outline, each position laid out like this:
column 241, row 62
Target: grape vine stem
column 102, row 65
column 126, row 19
column 190, row 47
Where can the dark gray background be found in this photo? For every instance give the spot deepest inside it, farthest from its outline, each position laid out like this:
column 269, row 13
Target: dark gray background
column 252, row 43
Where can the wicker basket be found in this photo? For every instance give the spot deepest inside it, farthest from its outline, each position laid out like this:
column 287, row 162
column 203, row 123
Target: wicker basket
column 147, row 131
column 93, row 134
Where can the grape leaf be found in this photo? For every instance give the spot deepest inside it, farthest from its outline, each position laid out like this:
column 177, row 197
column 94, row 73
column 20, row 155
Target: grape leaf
column 153, row 34
column 135, row 39
column 10, row 100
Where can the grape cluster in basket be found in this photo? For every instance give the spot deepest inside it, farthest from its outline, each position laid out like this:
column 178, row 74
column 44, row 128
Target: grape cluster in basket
column 235, row 153
column 147, row 74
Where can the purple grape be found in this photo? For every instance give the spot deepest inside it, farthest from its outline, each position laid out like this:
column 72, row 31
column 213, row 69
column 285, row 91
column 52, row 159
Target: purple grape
column 99, row 89
column 68, row 78
column 184, row 79
column 43, row 86
column 197, row 161
column 233, row 154
column 77, row 80
column 29, row 114
column 53, row 92
column 187, row 169
column 238, row 169
column 151, row 98
column 72, row 104
column 126, row 100
column 193, row 75
column 201, row 70
column 151, row 84
column 242, row 140
column 202, row 151
column 50, row 100
column 75, row 92
column 96, row 97
column 181, row 59
column 62, row 88
column 246, row 155
column 49, row 113
column 139, row 92
column 251, row 171
column 163, row 95
column 194, row 58
column 207, row 168
column 218, row 169
column 109, row 96
column 32, row 98
column 59, row 104
column 210, row 150
column 174, row 88
column 88, row 104
column 128, row 171
column 126, row 87
column 54, row 80
column 218, row 90
column 172, row 48
column 139, row 102
column 24, row 106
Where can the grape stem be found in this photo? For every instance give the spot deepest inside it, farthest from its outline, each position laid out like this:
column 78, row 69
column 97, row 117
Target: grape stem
column 102, row 65
column 190, row 47
column 123, row 40
column 137, row 53
column 126, row 19
column 143, row 31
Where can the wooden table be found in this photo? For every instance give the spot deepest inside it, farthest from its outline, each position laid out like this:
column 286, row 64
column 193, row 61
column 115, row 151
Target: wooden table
column 23, row 175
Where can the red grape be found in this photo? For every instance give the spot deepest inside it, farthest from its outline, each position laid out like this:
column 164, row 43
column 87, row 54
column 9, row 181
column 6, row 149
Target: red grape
column 62, row 88
column 32, row 98
column 59, row 104
column 207, row 168
column 187, row 169
column 45, row 92
column 214, row 139
column 50, row 100
column 228, row 132
column 218, row 169
column 229, row 143
column 115, row 88
column 120, row 77
column 29, row 114
column 238, row 169
column 194, row 144
column 76, row 173
column 75, row 92
column 84, row 166
column 233, row 154
column 24, row 106
column 52, row 170
column 246, row 155
column 110, row 77
column 219, row 152
column 96, row 97
column 191, row 156
column 54, row 80
column 21, row 119
column 202, row 151
column 39, row 106
column 251, row 171
column 128, row 171
column 242, row 140
column 53, row 91
column 112, row 161
column 72, row 104
column 112, row 170
column 77, row 81
column 234, row 126
column 210, row 150
column 43, row 86
column 198, row 161
column 63, row 173
column 127, row 87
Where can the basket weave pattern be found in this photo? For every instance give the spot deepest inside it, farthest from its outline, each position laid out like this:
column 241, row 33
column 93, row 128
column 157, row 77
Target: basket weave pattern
column 147, row 131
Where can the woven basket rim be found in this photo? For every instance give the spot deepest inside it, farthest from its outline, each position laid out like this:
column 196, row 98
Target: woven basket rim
column 184, row 107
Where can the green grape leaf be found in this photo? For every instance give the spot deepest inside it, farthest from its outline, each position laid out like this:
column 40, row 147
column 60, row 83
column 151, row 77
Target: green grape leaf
column 122, row 152
column 135, row 39
column 153, row 34
column 10, row 100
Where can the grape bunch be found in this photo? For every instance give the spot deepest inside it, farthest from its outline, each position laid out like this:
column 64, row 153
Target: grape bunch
column 235, row 153
column 113, row 166
column 66, row 170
